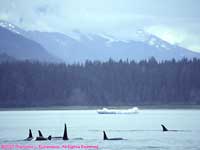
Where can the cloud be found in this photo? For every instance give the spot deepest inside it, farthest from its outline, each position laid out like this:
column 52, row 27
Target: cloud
column 181, row 36
column 4, row 16
column 174, row 21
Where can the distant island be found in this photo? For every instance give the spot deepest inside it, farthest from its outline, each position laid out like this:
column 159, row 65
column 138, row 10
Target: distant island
column 95, row 83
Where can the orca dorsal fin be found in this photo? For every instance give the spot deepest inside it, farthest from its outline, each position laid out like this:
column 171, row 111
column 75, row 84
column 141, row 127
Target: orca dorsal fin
column 105, row 136
column 30, row 134
column 164, row 128
column 40, row 133
column 65, row 137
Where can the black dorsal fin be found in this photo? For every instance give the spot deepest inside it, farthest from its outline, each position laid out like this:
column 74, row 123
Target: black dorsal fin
column 65, row 137
column 164, row 128
column 105, row 136
column 30, row 134
column 40, row 133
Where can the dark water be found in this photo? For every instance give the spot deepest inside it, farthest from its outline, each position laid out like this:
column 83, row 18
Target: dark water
column 142, row 130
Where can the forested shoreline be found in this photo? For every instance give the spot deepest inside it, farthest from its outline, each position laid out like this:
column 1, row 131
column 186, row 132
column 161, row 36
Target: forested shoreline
column 95, row 83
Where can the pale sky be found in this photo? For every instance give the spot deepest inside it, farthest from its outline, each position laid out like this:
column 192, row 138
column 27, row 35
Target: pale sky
column 176, row 21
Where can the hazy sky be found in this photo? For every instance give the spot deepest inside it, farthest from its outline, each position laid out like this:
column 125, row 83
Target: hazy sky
column 176, row 21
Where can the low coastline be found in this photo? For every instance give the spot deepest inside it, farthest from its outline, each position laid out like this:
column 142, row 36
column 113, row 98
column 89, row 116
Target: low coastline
column 141, row 107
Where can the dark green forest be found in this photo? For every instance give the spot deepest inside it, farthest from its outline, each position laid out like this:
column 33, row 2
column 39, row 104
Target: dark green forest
column 95, row 83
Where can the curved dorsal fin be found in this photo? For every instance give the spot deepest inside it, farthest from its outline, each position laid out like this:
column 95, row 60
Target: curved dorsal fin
column 105, row 136
column 65, row 137
column 164, row 128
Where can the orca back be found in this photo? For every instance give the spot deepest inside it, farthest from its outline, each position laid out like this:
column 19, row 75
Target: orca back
column 40, row 138
column 116, row 139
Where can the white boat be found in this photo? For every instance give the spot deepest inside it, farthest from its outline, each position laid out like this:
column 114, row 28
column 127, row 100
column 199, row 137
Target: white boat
column 133, row 110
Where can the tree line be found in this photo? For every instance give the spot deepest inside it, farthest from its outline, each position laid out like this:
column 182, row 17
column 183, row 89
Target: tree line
column 95, row 83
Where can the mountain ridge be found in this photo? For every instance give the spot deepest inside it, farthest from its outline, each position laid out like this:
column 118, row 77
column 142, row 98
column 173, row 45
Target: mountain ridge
column 80, row 47
column 19, row 47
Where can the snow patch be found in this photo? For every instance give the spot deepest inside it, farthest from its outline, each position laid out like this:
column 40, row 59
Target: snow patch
column 163, row 46
column 152, row 41
column 11, row 26
column 109, row 38
column 157, row 46
column 2, row 24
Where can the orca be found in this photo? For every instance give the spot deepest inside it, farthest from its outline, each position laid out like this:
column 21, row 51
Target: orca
column 30, row 136
column 106, row 138
column 65, row 136
column 41, row 137
column 164, row 129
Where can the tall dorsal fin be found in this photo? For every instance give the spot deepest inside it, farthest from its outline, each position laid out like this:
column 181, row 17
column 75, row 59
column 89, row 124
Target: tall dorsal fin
column 65, row 137
column 30, row 134
column 40, row 133
column 164, row 128
column 105, row 136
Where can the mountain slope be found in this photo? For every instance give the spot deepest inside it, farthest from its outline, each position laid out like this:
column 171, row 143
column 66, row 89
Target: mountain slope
column 19, row 47
column 98, row 47
column 76, row 47
column 5, row 58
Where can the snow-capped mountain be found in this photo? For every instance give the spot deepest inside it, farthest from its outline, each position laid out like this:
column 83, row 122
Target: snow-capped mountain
column 11, row 27
column 77, row 46
column 16, row 46
column 142, row 36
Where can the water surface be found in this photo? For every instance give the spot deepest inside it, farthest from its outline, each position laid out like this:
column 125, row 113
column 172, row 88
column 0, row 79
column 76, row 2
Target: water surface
column 142, row 130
